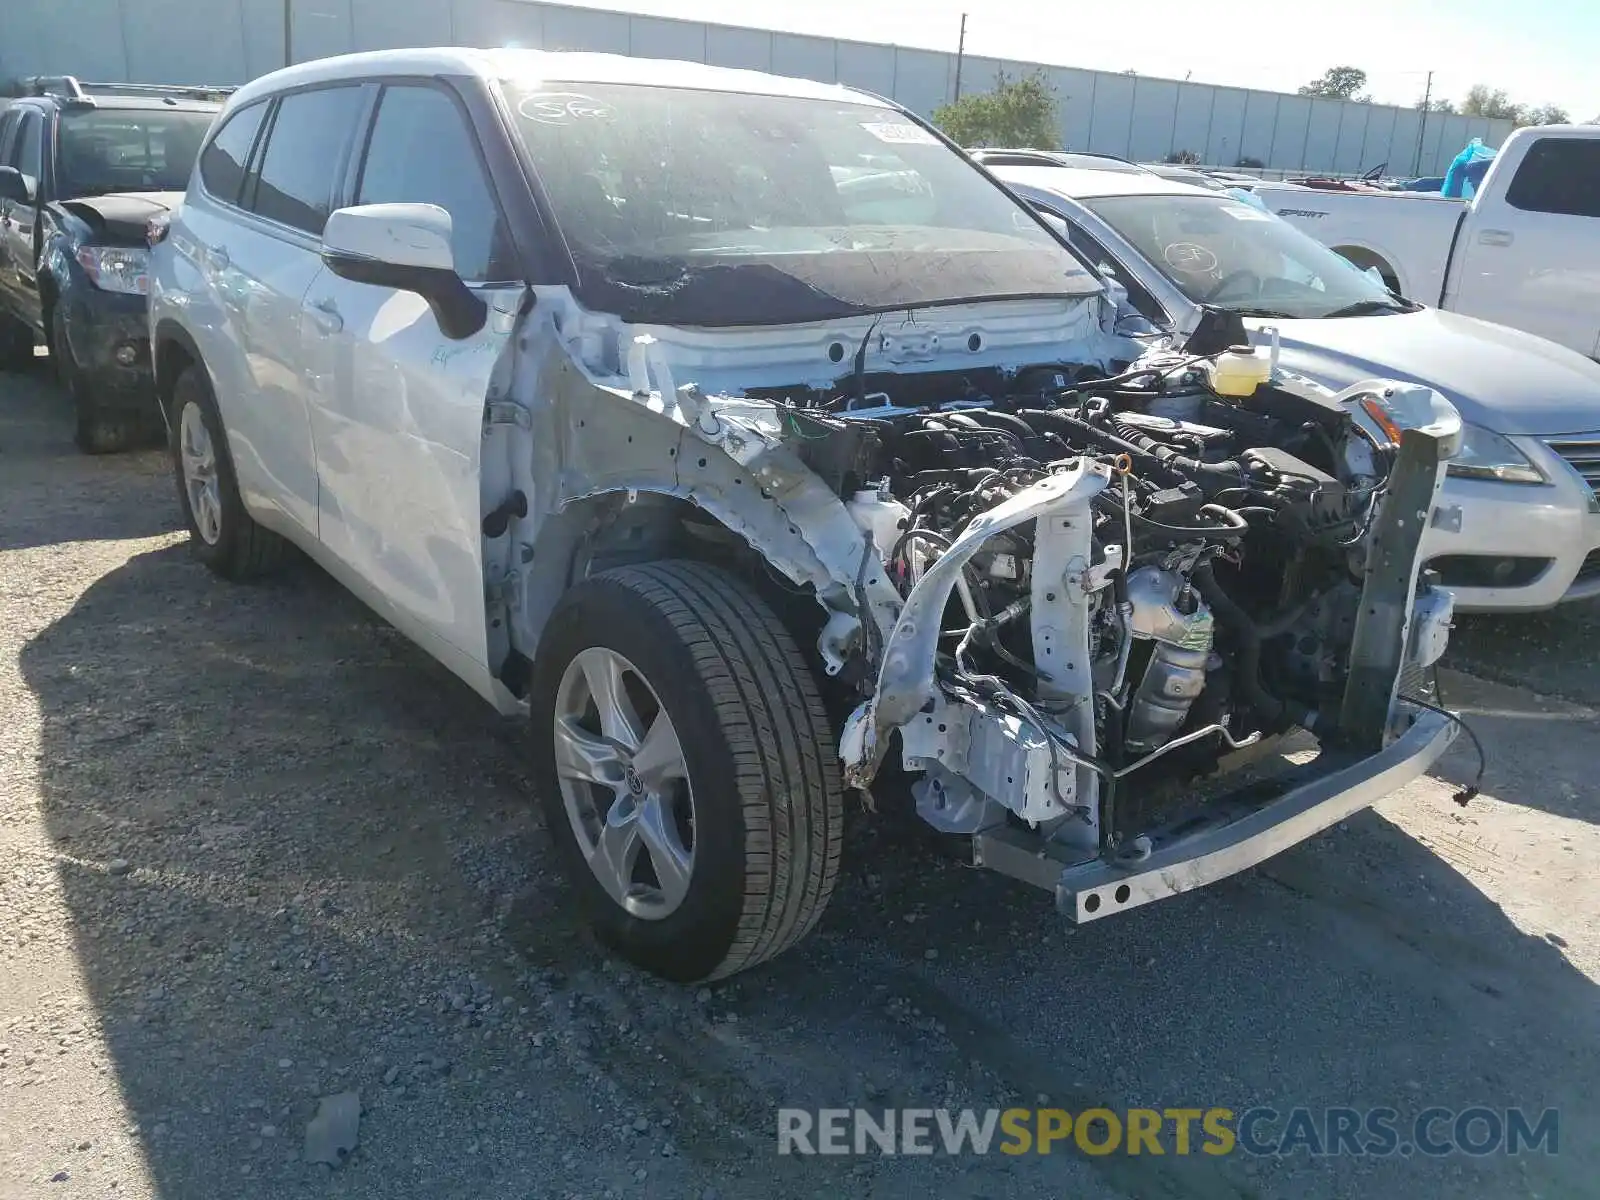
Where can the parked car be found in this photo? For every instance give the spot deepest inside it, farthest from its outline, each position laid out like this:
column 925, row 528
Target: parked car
column 1097, row 162
column 1525, row 533
column 1523, row 252
column 1000, row 157
column 1189, row 175
column 1234, row 178
column 83, row 168
column 589, row 375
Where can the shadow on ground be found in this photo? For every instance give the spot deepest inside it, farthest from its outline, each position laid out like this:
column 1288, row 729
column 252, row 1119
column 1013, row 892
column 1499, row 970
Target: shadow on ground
column 56, row 494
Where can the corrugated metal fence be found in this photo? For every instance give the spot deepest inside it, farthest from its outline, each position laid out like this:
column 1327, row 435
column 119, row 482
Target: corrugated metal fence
column 230, row 41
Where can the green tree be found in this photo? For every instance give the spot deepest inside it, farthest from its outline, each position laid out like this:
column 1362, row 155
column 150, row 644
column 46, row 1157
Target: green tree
column 1547, row 114
column 1338, row 83
column 1185, row 157
column 1438, row 106
column 1484, row 101
column 1018, row 112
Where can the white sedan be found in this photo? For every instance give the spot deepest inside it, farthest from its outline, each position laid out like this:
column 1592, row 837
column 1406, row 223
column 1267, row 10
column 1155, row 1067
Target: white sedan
column 1518, row 523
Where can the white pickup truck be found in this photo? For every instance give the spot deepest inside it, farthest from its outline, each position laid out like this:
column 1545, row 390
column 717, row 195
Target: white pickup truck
column 1524, row 251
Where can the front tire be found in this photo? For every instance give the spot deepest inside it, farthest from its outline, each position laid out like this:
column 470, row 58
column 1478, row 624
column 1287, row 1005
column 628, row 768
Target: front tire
column 686, row 769
column 221, row 533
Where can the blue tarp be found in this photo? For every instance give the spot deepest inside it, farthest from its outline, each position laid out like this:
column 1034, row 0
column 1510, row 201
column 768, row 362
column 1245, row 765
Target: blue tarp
column 1468, row 170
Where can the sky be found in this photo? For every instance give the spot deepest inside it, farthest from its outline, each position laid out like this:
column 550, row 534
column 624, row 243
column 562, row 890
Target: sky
column 1537, row 51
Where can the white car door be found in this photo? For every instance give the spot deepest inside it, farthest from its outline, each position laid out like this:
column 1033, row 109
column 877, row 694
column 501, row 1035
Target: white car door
column 1530, row 255
column 19, row 223
column 257, row 249
column 396, row 406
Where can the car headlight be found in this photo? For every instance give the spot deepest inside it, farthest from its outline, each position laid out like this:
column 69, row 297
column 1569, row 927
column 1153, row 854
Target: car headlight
column 124, row 269
column 1485, row 454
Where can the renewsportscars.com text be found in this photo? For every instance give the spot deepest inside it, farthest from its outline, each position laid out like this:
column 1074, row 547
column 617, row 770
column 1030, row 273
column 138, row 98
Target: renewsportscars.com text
column 1260, row 1131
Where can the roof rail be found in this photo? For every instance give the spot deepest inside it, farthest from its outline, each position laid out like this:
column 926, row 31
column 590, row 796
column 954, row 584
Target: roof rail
column 70, row 88
column 193, row 91
column 65, row 86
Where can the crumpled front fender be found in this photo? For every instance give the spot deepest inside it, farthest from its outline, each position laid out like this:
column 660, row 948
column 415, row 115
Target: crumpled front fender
column 906, row 673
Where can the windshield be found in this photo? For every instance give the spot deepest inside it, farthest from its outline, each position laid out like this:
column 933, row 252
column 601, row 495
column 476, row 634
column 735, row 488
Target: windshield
column 722, row 208
column 132, row 150
column 1232, row 255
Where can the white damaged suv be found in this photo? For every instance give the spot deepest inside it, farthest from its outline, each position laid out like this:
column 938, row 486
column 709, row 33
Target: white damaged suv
column 742, row 432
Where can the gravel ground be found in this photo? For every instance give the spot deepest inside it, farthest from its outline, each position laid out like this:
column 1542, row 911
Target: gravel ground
column 256, row 850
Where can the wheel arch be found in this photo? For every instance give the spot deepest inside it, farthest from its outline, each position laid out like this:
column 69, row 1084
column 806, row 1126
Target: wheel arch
column 173, row 350
column 1365, row 257
column 621, row 526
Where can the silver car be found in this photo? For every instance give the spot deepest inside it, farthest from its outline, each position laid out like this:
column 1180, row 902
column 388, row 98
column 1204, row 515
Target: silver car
column 1518, row 527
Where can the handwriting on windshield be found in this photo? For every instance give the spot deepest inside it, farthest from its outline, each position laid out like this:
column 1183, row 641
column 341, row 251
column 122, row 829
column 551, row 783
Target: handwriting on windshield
column 563, row 108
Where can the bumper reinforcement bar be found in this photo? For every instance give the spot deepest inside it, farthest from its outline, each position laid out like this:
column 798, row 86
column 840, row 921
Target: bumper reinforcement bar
column 1231, row 835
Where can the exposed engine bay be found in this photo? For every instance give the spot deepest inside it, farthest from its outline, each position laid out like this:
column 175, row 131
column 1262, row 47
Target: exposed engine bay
column 1221, row 590
column 1071, row 592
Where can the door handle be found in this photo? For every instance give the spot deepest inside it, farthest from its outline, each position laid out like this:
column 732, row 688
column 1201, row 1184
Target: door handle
column 328, row 318
column 217, row 258
column 1495, row 237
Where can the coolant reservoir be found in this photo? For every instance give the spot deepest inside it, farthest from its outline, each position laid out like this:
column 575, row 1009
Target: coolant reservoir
column 1238, row 371
column 884, row 517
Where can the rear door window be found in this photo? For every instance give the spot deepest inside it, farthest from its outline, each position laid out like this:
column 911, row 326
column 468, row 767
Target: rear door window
column 8, row 132
column 222, row 165
column 1558, row 175
column 27, row 155
column 305, row 155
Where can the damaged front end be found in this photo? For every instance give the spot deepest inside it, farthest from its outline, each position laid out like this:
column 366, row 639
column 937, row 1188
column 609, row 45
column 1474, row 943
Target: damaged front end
column 1125, row 622
column 1071, row 600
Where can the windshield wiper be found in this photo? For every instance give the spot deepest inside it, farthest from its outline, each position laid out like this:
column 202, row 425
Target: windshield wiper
column 1367, row 308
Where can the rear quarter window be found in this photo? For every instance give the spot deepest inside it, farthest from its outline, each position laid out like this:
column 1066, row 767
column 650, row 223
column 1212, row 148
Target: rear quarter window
column 1558, row 175
column 222, row 164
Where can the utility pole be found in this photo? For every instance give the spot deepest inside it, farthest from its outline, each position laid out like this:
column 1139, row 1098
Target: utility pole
column 961, row 50
column 288, row 33
column 1422, row 129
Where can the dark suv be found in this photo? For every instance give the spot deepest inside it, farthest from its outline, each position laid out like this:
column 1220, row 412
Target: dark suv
column 83, row 169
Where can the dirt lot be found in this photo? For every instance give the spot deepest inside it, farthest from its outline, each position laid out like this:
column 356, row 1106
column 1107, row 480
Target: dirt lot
column 254, row 850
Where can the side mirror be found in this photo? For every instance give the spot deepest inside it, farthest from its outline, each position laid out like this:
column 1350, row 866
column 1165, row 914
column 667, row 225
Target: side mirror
column 405, row 247
column 16, row 186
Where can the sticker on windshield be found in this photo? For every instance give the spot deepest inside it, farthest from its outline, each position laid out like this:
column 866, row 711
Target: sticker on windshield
column 563, row 108
column 900, row 133
column 1243, row 212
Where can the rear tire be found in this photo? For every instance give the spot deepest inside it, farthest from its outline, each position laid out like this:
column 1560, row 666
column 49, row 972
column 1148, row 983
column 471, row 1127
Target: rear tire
column 96, row 430
column 756, row 807
column 222, row 534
